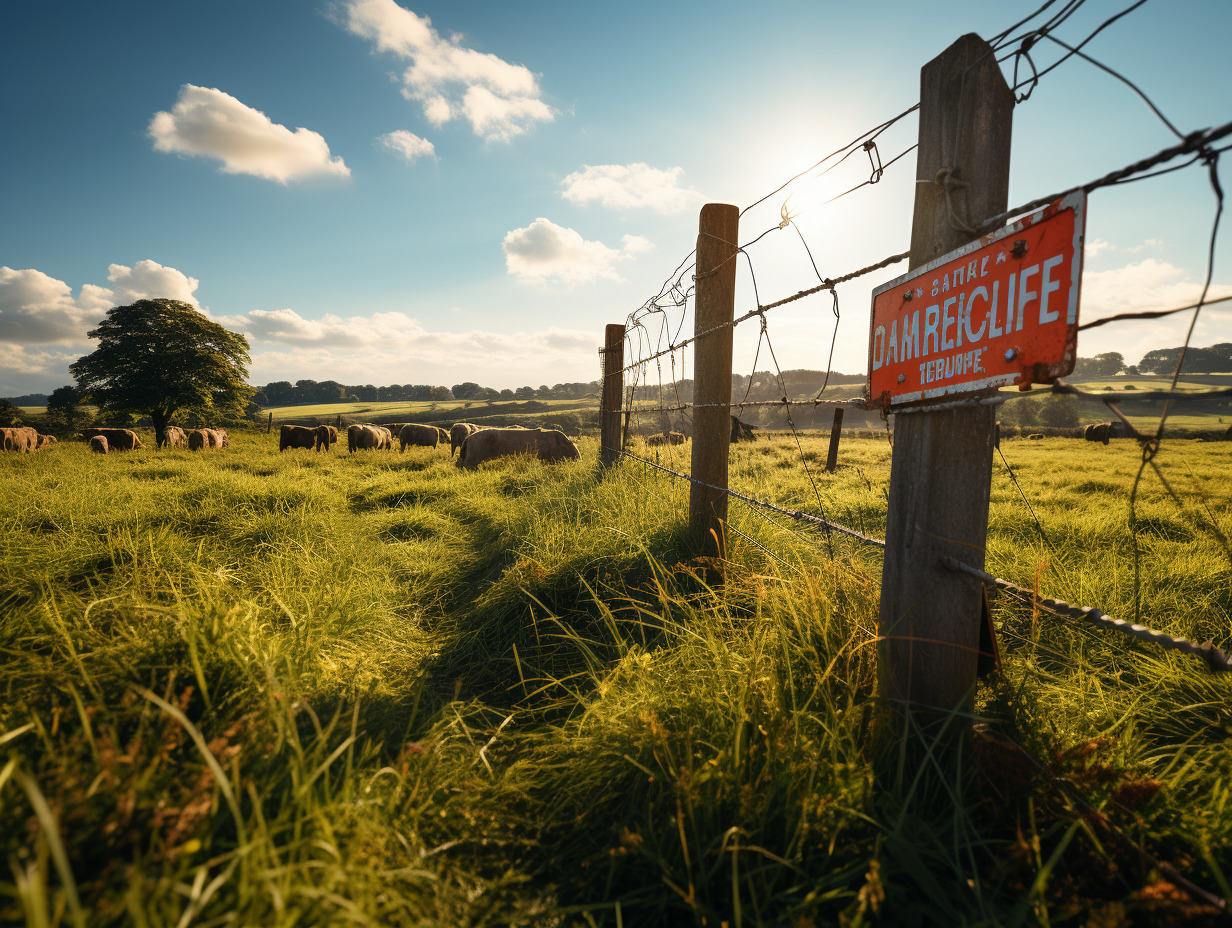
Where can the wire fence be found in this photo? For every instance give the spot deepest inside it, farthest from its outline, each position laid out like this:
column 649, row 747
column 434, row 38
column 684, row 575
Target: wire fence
column 657, row 390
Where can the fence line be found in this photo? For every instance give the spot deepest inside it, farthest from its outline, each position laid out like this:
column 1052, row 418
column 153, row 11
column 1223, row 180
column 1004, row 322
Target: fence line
column 680, row 287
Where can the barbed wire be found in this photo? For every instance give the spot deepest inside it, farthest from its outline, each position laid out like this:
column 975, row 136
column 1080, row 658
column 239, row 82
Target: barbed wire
column 1215, row 658
column 646, row 345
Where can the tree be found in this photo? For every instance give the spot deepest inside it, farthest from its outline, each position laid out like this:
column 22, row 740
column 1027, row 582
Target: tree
column 10, row 415
column 64, row 406
column 1108, row 364
column 1060, row 412
column 162, row 357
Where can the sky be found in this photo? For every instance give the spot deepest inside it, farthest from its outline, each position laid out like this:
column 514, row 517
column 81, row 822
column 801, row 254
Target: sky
column 437, row 192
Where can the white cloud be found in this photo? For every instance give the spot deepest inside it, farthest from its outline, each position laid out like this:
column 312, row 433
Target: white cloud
column 147, row 280
column 36, row 309
column 209, row 123
column 407, row 144
column 544, row 250
column 499, row 99
column 43, row 328
column 393, row 347
column 1097, row 247
column 1144, row 285
column 1150, row 243
column 1148, row 285
column 626, row 186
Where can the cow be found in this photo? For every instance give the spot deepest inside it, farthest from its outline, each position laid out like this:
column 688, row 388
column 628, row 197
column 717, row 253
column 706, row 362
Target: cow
column 427, row 436
column 1038, row 436
column 296, row 436
column 117, row 439
column 666, row 438
column 326, row 436
column 487, row 444
column 98, row 443
column 741, row 431
column 202, row 439
column 459, row 433
column 19, row 438
column 45, row 441
column 387, row 438
column 442, row 435
column 365, row 438
column 174, row 437
column 1101, row 432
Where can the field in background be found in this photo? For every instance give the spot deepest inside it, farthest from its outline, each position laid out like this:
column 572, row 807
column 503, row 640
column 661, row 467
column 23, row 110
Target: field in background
column 319, row 687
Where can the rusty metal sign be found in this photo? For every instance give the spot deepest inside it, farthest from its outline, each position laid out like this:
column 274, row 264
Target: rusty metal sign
column 1001, row 310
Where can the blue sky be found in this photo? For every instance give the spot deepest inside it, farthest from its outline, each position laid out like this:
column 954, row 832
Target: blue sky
column 457, row 191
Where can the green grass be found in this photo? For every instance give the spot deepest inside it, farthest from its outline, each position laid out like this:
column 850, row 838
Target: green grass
column 372, row 689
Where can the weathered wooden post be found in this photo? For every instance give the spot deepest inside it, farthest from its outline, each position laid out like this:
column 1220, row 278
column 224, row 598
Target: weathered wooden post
column 941, row 470
column 610, row 442
column 269, row 424
column 717, row 246
column 836, row 431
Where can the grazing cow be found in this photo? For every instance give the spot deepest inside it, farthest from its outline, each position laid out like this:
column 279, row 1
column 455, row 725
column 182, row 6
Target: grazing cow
column 98, row 443
column 425, row 435
column 741, row 431
column 459, row 433
column 201, row 439
column 1101, row 432
column 117, row 439
column 443, row 436
column 296, row 436
column 365, row 438
column 486, row 444
column 174, row 437
column 665, row 438
column 45, row 440
column 326, row 436
column 19, row 438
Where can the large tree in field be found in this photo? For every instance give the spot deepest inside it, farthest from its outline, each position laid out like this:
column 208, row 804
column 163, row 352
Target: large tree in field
column 162, row 358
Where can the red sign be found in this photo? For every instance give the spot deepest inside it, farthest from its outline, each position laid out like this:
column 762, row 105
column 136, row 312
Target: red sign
column 1000, row 310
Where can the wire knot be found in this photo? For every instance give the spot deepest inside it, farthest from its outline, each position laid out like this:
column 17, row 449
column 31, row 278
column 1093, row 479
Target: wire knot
column 947, row 180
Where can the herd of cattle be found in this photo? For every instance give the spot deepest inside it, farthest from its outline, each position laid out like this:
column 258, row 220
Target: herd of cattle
column 473, row 444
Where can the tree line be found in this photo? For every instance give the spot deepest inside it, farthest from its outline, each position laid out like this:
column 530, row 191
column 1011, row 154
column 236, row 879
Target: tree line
column 316, row 392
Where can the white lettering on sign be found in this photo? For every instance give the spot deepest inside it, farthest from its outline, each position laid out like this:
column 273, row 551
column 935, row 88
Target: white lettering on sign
column 949, row 324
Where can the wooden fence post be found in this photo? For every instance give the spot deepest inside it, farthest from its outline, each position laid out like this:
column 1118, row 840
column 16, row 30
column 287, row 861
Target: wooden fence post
column 941, row 470
column 835, row 432
column 610, row 443
column 717, row 245
column 269, row 424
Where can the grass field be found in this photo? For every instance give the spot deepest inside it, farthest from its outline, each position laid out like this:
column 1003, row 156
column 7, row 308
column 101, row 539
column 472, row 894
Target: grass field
column 248, row 688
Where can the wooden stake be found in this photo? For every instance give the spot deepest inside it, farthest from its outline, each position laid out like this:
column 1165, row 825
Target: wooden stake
column 835, row 431
column 718, row 230
column 941, row 470
column 609, row 398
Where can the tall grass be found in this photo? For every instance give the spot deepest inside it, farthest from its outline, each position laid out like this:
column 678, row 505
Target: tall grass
column 312, row 689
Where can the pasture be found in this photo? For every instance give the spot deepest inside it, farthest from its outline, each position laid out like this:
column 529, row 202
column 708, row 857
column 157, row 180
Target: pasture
column 257, row 688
